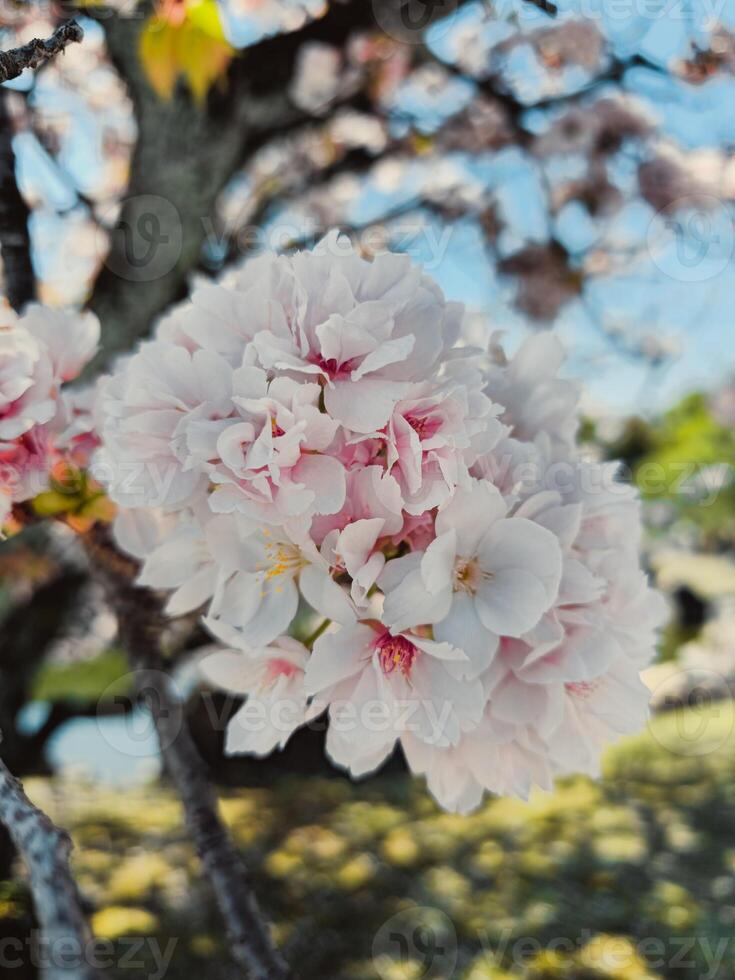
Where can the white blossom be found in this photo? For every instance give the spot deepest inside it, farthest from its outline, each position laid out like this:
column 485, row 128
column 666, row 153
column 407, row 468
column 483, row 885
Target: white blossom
column 312, row 436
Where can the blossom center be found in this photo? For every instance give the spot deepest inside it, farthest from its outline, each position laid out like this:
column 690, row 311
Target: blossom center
column 468, row 576
column 425, row 426
column 282, row 559
column 332, row 367
column 279, row 667
column 582, row 689
column 395, row 653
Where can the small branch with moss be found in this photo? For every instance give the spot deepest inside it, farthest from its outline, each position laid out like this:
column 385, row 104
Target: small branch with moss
column 45, row 850
column 37, row 52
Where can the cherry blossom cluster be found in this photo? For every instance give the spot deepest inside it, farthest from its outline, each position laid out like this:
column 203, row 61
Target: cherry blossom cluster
column 44, row 425
column 313, row 440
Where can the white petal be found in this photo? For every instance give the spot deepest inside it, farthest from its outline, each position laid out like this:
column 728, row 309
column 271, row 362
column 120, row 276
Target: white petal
column 325, row 596
column 512, row 602
column 248, row 615
column 137, row 531
column 440, row 651
column 193, row 593
column 325, row 477
column 470, row 513
column 336, row 656
column 462, row 627
column 275, row 613
column 518, row 702
column 578, row 585
column 359, row 758
column 437, row 564
column 356, row 542
column 363, row 406
column 259, row 733
column 174, row 561
column 517, row 543
column 409, row 604
column 231, row 671
column 391, row 351
column 397, row 569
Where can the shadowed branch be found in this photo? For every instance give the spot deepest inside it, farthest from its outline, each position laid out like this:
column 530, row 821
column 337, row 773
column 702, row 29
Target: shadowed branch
column 15, row 241
column 45, row 850
column 141, row 625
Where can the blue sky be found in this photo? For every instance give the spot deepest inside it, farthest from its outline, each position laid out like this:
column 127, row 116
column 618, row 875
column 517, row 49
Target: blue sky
column 672, row 288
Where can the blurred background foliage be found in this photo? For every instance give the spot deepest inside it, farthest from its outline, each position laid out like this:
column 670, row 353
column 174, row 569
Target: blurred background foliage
column 631, row 878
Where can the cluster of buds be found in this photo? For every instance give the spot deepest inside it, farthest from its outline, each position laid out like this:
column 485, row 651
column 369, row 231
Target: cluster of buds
column 46, row 428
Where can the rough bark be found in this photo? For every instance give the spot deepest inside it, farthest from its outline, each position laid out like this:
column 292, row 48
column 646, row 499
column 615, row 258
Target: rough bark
column 183, row 158
column 250, row 943
column 36, row 52
column 15, row 244
column 64, row 952
column 186, row 154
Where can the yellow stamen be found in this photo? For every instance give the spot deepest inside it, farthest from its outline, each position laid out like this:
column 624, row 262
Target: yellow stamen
column 283, row 559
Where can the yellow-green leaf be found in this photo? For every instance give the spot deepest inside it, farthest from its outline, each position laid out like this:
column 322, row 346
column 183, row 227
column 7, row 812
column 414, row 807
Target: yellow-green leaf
column 203, row 59
column 194, row 47
column 205, row 15
column 50, row 503
column 99, row 508
column 159, row 54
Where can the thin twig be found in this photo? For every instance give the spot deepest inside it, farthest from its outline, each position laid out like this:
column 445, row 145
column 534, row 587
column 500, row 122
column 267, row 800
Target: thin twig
column 45, row 850
column 140, row 625
column 36, row 52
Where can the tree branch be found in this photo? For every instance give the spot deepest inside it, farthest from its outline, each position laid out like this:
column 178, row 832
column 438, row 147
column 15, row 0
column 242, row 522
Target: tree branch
column 36, row 52
column 15, row 241
column 45, row 850
column 141, row 624
column 250, row 942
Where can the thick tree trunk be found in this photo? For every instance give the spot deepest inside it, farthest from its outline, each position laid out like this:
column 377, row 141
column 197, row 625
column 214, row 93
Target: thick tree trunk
column 186, row 154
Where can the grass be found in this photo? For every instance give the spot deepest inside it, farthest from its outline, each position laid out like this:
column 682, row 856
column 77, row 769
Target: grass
column 627, row 878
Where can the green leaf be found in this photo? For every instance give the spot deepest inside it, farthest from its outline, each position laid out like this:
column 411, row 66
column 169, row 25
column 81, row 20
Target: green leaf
column 51, row 503
column 85, row 681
